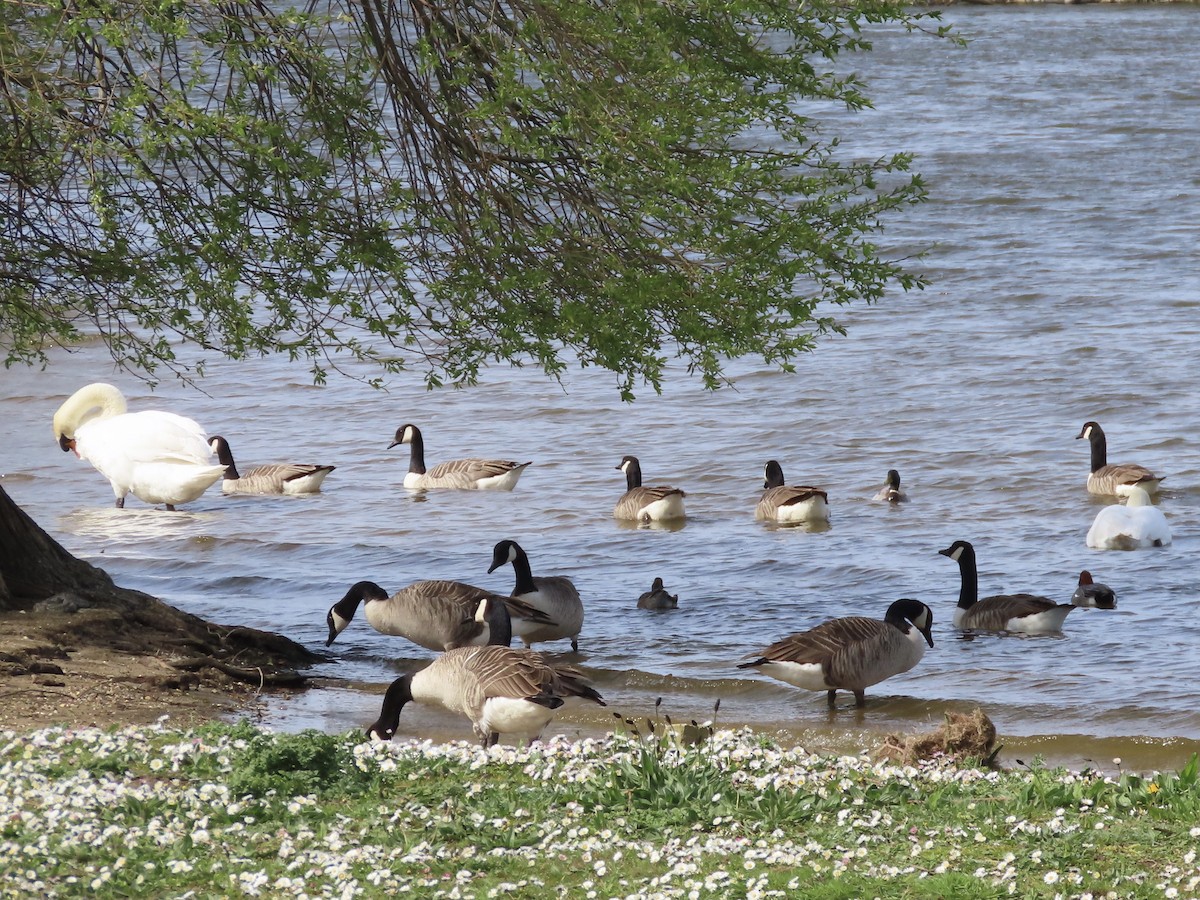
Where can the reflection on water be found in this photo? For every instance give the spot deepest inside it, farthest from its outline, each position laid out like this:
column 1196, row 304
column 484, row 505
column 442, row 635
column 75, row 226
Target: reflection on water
column 1060, row 293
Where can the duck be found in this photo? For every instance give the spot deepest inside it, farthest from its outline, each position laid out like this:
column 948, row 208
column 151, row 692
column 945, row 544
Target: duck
column 157, row 456
column 890, row 492
column 646, row 504
column 1133, row 526
column 459, row 474
column 501, row 690
column 437, row 615
column 555, row 595
column 1116, row 479
column 790, row 504
column 658, row 598
column 1023, row 613
column 1090, row 593
column 276, row 478
column 851, row 653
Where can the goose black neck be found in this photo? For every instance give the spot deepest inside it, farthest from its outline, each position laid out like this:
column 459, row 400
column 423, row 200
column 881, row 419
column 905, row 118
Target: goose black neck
column 225, row 457
column 893, row 479
column 968, row 593
column 416, row 452
column 499, row 623
column 1099, row 448
column 398, row 694
column 520, row 566
column 774, row 476
column 633, row 475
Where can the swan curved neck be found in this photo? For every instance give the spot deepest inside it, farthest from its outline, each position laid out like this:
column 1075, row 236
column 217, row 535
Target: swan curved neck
column 93, row 401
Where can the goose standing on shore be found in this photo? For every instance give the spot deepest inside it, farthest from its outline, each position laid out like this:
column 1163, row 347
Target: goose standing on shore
column 1089, row 593
column 458, row 474
column 790, row 504
column 437, row 615
column 555, row 595
column 159, row 457
column 501, row 690
column 1024, row 613
column 276, row 478
column 850, row 653
column 890, row 492
column 1134, row 526
column 646, row 504
column 1115, row 479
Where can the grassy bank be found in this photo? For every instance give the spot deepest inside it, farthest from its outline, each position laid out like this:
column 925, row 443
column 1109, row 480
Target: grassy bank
column 232, row 811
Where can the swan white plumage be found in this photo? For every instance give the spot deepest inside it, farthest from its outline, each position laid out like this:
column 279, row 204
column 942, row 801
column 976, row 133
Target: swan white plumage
column 1135, row 525
column 159, row 457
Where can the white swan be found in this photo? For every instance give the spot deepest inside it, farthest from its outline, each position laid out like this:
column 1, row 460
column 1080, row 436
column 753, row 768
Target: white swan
column 1135, row 525
column 158, row 457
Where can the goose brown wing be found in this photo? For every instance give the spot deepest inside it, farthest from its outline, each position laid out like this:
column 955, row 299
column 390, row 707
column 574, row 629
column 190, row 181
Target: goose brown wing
column 472, row 468
column 820, row 643
column 995, row 612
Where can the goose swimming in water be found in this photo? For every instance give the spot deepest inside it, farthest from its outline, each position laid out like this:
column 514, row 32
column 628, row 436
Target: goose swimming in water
column 789, row 504
column 1025, row 613
column 1113, row 479
column 852, row 653
column 461, row 474
column 646, row 504
column 275, row 478
column 159, row 457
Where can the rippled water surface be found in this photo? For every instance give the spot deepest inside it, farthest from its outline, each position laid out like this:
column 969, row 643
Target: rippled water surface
column 1059, row 148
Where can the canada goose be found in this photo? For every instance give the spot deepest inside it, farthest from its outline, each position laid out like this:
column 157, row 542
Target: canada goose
column 439, row 615
column 501, row 690
column 890, row 492
column 646, row 504
column 1115, row 479
column 658, row 598
column 462, row 474
column 555, row 595
column 1133, row 526
column 789, row 504
column 850, row 653
column 1089, row 593
column 158, row 457
column 278, row 478
column 1026, row 613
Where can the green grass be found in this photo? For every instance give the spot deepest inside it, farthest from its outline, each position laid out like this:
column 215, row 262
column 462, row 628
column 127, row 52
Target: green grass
column 232, row 811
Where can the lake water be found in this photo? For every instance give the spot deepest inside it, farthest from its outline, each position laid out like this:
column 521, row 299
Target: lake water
column 1059, row 148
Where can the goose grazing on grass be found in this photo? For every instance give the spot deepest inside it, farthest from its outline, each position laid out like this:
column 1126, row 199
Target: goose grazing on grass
column 460, row 474
column 1024, row 613
column 1137, row 524
column 1116, row 479
column 501, row 690
column 1089, row 593
column 851, row 653
column 890, row 492
column 555, row 595
column 277, row 478
column 790, row 504
column 646, row 504
column 158, row 457
column 438, row 615
column 658, row 598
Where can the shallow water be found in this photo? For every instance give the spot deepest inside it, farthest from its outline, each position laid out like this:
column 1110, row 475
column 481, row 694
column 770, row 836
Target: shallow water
column 1059, row 150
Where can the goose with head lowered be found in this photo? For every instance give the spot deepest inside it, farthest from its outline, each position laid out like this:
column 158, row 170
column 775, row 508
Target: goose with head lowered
column 851, row 653
column 555, row 595
column 458, row 474
column 891, row 492
column 1093, row 594
column 790, row 504
column 501, row 690
column 437, row 615
column 658, row 598
column 274, row 478
column 646, row 504
column 159, row 457
column 1023, row 613
column 1117, row 478
column 1136, row 525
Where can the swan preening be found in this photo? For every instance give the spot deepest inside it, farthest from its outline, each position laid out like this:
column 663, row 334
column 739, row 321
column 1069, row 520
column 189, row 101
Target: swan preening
column 461, row 474
column 1136, row 525
column 850, row 653
column 159, row 457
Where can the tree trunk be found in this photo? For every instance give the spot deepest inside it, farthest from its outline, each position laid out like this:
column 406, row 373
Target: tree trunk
column 34, row 567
